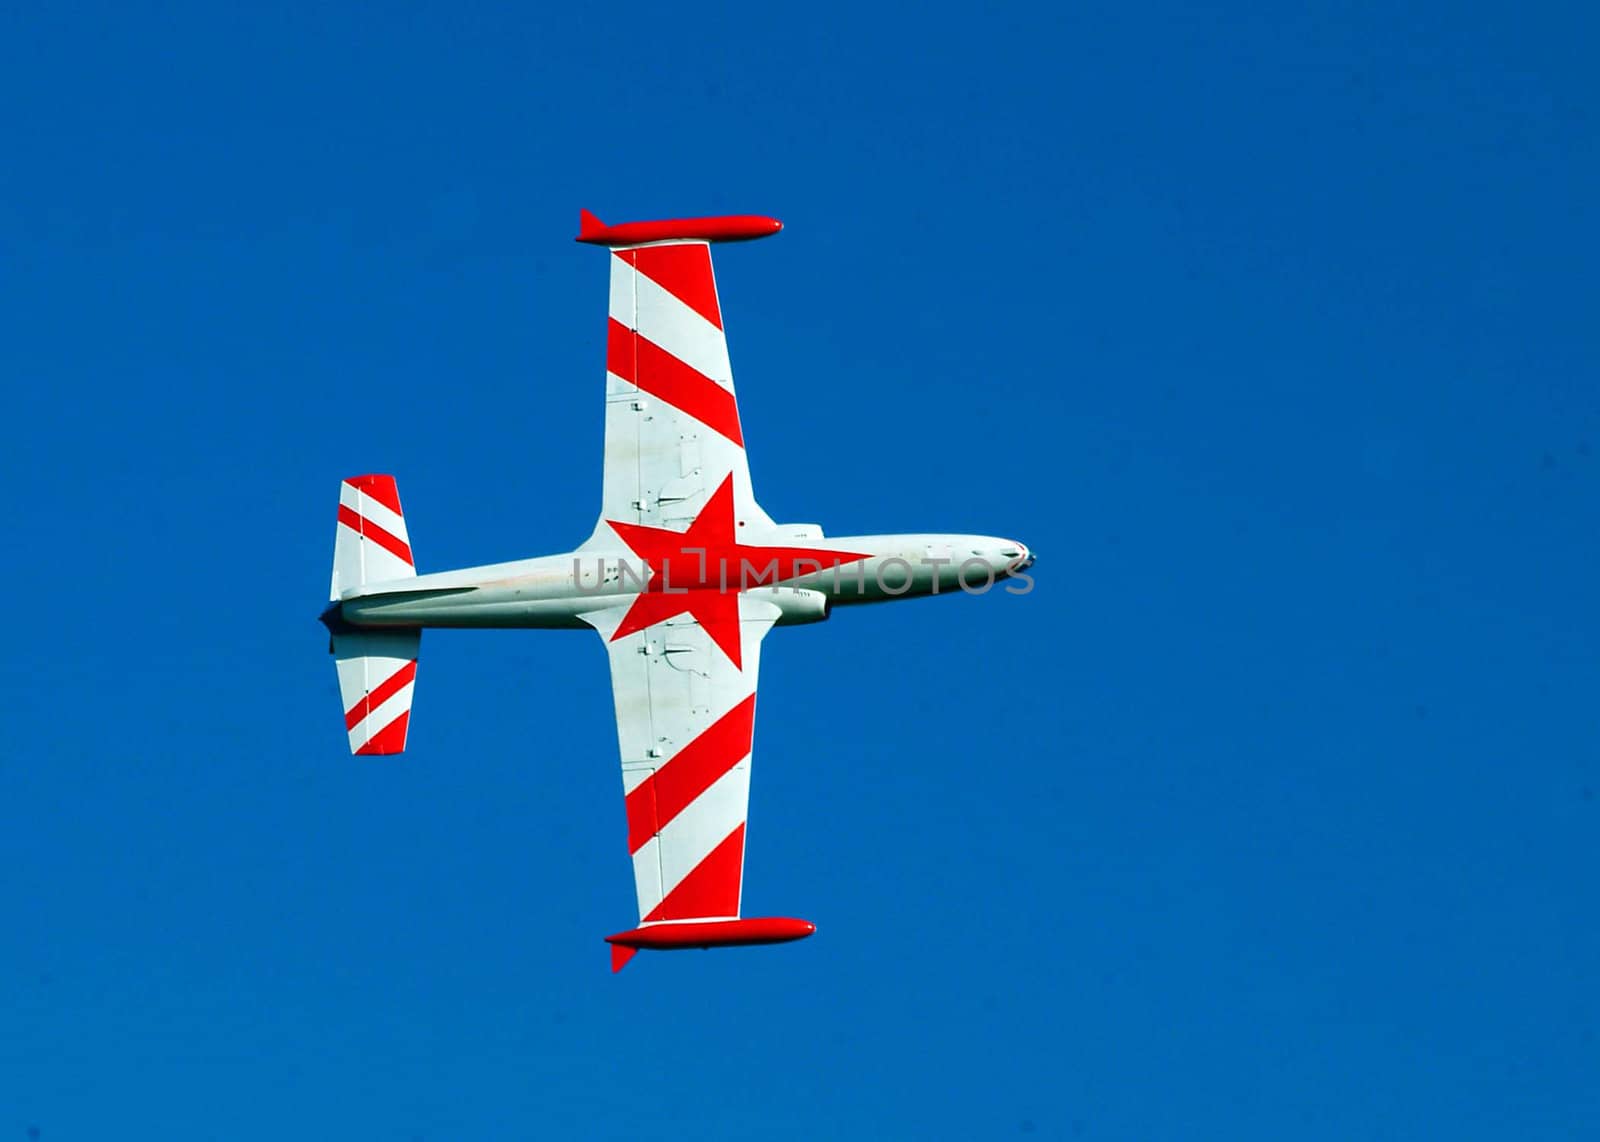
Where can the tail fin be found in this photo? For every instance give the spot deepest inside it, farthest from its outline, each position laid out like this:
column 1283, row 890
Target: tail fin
column 371, row 545
column 377, row 673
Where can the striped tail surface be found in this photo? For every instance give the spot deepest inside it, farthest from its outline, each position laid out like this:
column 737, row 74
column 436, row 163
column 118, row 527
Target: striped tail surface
column 377, row 674
column 377, row 668
column 372, row 545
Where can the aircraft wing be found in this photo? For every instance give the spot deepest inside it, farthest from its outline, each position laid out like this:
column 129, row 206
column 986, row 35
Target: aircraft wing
column 685, row 720
column 672, row 417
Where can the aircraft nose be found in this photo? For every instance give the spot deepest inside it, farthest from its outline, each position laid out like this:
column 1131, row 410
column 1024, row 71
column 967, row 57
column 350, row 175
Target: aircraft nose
column 1019, row 556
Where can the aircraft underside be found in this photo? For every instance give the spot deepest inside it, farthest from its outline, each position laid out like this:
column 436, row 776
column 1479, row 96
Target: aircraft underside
column 682, row 578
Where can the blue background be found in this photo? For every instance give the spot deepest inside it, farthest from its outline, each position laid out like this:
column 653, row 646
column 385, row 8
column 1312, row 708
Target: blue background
column 1270, row 813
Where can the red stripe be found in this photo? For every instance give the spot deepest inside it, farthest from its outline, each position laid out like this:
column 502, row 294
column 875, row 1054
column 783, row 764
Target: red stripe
column 684, row 272
column 390, row 739
column 711, row 889
column 365, row 528
column 380, row 488
column 387, row 689
column 639, row 360
column 620, row 357
column 659, row 798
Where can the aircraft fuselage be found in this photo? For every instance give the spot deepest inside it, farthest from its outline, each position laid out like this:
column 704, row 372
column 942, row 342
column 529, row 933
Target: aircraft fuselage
column 803, row 576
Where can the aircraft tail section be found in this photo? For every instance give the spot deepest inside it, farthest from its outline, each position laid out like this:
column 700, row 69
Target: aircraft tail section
column 377, row 668
column 372, row 545
column 377, row 674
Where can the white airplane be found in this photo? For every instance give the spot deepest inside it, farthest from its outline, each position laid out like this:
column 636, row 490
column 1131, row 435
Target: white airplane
column 682, row 578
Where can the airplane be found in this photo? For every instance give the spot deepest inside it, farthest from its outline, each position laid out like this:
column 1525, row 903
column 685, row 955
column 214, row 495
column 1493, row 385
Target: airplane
column 682, row 578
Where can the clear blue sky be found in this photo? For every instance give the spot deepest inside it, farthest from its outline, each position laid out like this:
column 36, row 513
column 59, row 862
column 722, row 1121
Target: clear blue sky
column 1270, row 813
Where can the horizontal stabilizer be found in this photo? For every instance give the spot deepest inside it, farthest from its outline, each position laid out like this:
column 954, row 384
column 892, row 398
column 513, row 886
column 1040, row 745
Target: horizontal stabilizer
column 371, row 545
column 377, row 674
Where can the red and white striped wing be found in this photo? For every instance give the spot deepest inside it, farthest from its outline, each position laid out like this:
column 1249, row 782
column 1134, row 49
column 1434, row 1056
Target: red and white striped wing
column 685, row 719
column 672, row 419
